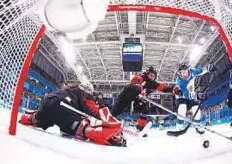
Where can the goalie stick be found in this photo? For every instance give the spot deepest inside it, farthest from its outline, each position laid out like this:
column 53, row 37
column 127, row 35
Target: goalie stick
column 185, row 118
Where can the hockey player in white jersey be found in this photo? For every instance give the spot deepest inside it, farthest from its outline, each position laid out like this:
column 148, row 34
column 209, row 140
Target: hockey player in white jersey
column 187, row 100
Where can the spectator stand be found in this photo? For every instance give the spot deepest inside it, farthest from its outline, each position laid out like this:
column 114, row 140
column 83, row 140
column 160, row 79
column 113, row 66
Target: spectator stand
column 35, row 87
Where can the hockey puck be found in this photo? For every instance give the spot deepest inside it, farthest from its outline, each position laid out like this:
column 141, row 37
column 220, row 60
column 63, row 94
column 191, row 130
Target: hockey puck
column 206, row 144
column 145, row 135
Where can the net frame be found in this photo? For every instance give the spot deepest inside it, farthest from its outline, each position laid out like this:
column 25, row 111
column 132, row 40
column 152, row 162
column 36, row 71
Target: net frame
column 112, row 8
column 22, row 79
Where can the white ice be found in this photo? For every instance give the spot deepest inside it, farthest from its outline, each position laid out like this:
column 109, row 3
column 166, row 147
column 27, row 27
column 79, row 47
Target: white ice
column 32, row 146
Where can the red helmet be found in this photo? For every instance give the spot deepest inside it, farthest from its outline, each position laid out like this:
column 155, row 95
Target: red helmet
column 137, row 80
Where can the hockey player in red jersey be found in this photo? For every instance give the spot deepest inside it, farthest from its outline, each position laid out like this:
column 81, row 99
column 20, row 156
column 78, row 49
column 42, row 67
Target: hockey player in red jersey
column 58, row 108
column 144, row 83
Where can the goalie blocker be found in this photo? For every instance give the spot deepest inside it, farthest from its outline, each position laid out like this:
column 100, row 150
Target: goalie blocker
column 103, row 128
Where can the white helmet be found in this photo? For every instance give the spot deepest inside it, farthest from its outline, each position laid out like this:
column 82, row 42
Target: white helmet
column 87, row 87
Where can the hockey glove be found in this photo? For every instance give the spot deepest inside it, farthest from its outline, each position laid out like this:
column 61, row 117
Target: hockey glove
column 211, row 68
column 201, row 96
column 177, row 91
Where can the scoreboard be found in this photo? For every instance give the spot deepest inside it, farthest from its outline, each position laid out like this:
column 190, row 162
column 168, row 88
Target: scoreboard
column 132, row 57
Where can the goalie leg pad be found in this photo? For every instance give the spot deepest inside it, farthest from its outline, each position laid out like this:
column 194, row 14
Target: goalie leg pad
column 105, row 136
column 101, row 134
column 106, row 116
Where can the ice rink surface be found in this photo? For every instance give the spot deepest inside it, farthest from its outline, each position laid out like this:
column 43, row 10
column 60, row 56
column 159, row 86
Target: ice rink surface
column 32, row 146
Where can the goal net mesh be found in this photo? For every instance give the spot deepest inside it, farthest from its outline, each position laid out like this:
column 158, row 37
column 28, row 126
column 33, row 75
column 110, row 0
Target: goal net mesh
column 20, row 25
column 18, row 30
column 218, row 9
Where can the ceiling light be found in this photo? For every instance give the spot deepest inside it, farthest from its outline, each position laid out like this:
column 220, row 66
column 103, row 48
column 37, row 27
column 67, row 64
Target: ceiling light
column 67, row 50
column 179, row 39
column 195, row 54
column 79, row 68
column 202, row 40
column 212, row 28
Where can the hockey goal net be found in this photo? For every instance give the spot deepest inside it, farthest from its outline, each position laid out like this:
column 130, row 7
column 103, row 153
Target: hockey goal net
column 21, row 29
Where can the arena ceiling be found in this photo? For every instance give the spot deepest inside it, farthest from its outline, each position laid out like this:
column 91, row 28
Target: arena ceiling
column 167, row 41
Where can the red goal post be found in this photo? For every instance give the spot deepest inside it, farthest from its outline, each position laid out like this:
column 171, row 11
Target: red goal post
column 21, row 31
column 22, row 78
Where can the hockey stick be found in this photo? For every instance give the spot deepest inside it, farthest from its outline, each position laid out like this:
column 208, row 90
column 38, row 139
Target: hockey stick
column 75, row 110
column 184, row 118
column 135, row 134
column 183, row 131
